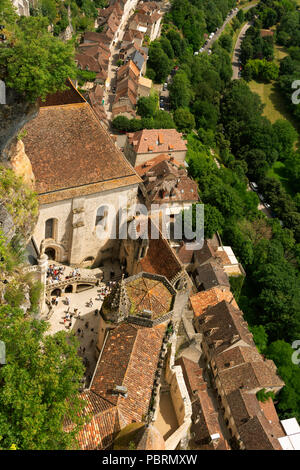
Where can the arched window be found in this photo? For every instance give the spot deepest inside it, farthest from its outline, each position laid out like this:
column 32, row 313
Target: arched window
column 101, row 217
column 51, row 228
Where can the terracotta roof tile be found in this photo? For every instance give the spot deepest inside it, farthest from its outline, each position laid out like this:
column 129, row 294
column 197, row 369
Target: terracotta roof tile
column 202, row 300
column 148, row 137
column 160, row 258
column 129, row 358
column 70, row 136
column 142, row 169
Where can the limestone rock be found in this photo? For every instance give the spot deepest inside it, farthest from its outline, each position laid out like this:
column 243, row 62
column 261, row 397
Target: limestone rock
column 13, row 116
column 6, row 223
column 20, row 163
column 26, row 303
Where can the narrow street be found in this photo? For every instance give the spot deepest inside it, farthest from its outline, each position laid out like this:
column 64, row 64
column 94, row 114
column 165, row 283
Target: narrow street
column 237, row 50
column 219, row 31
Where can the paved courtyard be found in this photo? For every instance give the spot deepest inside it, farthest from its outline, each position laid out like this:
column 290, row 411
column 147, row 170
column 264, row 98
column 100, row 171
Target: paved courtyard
column 85, row 323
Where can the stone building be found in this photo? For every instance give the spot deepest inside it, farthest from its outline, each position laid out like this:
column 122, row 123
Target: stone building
column 81, row 180
column 152, row 253
column 238, row 372
column 144, row 145
column 166, row 182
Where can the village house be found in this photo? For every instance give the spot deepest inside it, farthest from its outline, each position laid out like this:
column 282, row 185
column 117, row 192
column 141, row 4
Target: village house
column 202, row 300
column 125, row 388
column 166, row 182
column 220, row 255
column 79, row 173
column 147, row 21
column 144, row 145
column 152, row 253
column 144, row 88
column 114, row 17
column 126, row 92
column 210, row 275
column 93, row 55
column 205, row 429
column 238, row 373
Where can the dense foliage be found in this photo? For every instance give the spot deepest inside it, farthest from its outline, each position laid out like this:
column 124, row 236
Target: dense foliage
column 38, row 385
column 40, row 381
column 32, row 61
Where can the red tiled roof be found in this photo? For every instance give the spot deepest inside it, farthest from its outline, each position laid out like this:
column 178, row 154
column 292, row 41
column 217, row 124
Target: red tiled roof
column 142, row 169
column 129, row 358
column 160, row 258
column 148, row 137
column 202, row 300
column 70, row 136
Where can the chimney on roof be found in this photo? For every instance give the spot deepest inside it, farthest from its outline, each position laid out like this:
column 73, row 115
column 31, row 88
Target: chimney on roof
column 120, row 390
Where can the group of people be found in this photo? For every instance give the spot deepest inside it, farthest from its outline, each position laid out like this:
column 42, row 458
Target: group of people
column 57, row 273
column 106, row 290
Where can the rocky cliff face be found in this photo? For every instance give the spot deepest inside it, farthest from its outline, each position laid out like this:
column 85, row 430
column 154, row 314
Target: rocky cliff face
column 13, row 116
column 20, row 163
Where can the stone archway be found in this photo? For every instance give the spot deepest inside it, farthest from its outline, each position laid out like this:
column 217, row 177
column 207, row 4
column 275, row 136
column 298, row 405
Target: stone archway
column 51, row 253
column 56, row 292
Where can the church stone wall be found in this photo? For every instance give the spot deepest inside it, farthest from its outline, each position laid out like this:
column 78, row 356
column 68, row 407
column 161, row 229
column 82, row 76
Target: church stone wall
column 75, row 237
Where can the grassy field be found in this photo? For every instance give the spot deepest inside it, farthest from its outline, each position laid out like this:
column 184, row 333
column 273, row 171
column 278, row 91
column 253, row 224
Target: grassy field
column 279, row 53
column 275, row 108
column 275, row 105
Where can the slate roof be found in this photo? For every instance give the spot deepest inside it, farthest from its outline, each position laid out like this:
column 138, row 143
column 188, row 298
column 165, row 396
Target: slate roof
column 223, row 325
column 206, row 253
column 249, row 376
column 138, row 59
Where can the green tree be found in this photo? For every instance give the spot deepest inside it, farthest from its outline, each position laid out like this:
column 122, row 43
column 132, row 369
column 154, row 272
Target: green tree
column 184, row 120
column 158, row 62
column 226, row 42
column 213, row 220
column 147, row 106
column 34, row 62
column 180, row 91
column 39, row 385
column 260, row 337
column 289, row 401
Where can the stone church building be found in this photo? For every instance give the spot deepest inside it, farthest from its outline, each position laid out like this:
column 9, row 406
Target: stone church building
column 78, row 173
